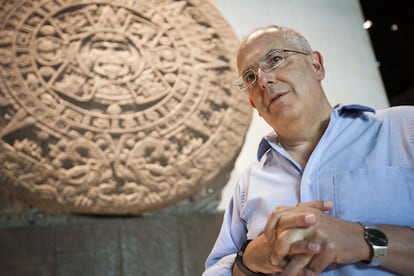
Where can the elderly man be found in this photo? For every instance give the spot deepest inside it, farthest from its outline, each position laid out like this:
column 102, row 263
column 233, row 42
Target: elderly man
column 333, row 189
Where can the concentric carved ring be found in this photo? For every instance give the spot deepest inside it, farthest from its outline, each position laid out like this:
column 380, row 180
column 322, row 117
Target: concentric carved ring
column 116, row 107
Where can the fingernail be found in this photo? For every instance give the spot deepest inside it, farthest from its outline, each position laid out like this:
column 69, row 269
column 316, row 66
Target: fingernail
column 313, row 246
column 310, row 218
column 328, row 204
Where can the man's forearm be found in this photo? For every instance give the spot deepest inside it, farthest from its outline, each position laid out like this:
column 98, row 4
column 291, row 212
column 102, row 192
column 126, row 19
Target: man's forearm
column 400, row 254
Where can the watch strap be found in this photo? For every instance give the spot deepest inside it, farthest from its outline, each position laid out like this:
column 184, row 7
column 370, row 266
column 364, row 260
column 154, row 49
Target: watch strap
column 242, row 267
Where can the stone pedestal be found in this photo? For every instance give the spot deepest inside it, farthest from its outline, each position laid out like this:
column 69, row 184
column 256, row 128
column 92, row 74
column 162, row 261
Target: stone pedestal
column 152, row 245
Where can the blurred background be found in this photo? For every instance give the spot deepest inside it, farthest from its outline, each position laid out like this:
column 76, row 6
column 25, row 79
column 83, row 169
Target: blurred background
column 392, row 35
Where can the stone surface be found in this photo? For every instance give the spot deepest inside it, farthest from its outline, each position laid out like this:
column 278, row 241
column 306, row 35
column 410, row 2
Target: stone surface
column 117, row 107
column 96, row 246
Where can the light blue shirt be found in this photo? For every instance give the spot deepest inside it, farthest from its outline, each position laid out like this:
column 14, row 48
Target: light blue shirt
column 364, row 163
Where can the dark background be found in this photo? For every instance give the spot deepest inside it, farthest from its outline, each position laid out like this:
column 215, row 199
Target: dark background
column 394, row 50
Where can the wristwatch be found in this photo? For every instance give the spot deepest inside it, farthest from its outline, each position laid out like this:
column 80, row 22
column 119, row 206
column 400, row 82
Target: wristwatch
column 240, row 264
column 378, row 242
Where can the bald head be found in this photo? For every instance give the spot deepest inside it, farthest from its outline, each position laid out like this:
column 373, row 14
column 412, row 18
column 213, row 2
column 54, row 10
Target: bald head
column 273, row 35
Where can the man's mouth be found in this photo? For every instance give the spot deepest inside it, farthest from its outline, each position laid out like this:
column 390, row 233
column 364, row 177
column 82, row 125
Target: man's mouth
column 275, row 98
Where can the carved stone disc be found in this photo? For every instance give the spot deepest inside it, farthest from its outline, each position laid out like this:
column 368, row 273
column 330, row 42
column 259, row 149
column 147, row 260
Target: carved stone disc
column 116, row 107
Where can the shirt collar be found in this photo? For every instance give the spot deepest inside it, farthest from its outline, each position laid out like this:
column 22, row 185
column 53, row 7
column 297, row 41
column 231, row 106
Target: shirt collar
column 352, row 108
column 264, row 144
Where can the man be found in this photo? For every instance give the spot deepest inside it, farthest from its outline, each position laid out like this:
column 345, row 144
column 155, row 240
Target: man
column 346, row 172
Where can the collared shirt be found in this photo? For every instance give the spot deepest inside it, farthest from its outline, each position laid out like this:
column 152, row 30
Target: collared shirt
column 363, row 163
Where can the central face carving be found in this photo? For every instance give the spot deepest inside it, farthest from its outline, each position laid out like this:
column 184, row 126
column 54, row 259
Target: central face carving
column 109, row 56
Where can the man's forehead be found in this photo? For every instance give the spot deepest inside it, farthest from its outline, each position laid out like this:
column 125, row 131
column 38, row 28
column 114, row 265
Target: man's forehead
column 261, row 41
column 257, row 44
column 264, row 38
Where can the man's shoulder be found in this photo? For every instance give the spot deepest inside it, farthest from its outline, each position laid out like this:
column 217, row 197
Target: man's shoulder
column 400, row 113
column 393, row 112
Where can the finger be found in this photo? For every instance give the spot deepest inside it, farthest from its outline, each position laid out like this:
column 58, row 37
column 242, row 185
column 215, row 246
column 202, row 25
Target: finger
column 298, row 220
column 300, row 247
column 272, row 222
column 322, row 260
column 304, row 247
column 309, row 272
column 282, row 245
column 321, row 205
column 296, row 265
column 280, row 212
column 285, row 221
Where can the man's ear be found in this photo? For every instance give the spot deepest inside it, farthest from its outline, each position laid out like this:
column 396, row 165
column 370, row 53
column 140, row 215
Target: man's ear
column 317, row 63
column 252, row 103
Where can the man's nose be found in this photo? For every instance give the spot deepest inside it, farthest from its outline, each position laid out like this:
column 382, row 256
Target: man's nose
column 264, row 79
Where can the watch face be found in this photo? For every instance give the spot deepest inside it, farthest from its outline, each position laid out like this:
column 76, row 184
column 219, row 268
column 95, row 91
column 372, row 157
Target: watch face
column 376, row 237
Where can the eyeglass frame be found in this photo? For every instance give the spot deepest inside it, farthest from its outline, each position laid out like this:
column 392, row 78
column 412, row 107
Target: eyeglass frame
column 239, row 83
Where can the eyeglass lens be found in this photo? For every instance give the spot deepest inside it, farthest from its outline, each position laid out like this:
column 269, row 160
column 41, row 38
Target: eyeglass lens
column 268, row 63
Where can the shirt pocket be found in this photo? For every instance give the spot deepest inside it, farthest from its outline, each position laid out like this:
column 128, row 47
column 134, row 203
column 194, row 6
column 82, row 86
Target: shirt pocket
column 374, row 195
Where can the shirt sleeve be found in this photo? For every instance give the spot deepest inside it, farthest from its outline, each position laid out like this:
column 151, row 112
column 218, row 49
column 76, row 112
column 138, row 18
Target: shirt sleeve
column 230, row 239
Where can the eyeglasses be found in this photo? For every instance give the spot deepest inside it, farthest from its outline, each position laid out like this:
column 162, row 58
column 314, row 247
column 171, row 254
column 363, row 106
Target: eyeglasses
column 269, row 62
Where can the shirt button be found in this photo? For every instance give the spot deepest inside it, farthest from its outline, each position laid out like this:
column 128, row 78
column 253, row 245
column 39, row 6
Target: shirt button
column 308, row 181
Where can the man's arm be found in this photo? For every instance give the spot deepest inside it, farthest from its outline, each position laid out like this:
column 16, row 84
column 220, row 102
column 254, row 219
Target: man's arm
column 400, row 249
column 341, row 242
column 232, row 234
column 256, row 257
column 259, row 255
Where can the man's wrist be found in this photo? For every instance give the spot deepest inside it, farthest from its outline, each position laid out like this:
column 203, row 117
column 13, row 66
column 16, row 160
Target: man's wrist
column 240, row 264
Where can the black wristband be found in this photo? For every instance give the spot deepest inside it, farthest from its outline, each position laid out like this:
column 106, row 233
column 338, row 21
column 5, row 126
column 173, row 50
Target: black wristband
column 240, row 264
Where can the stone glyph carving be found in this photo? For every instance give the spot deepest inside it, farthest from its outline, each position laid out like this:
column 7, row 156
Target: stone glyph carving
column 116, row 107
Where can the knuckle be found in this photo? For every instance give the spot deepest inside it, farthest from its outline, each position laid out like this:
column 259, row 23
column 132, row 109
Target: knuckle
column 302, row 260
column 279, row 209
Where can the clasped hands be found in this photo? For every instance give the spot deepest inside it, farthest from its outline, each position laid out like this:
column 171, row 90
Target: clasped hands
column 304, row 240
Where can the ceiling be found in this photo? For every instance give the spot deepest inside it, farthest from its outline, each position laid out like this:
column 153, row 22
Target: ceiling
column 392, row 37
